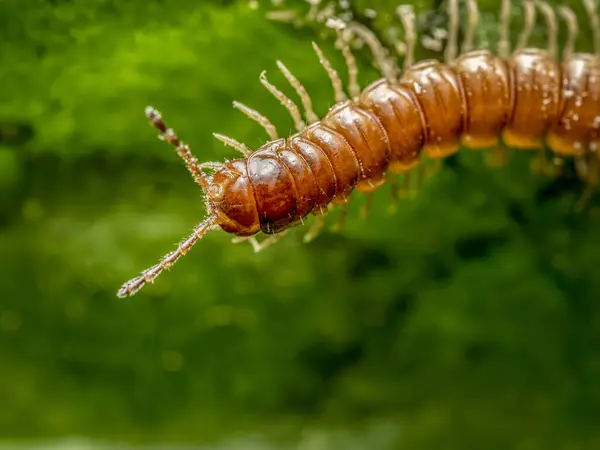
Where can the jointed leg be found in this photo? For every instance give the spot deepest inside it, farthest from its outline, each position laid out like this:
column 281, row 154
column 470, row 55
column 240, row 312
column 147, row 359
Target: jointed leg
column 497, row 156
column 557, row 167
column 230, row 142
column 550, row 17
column 590, row 8
column 504, row 42
column 367, row 205
column 285, row 101
column 342, row 218
column 336, row 81
column 540, row 163
column 396, row 193
column 380, row 54
column 452, row 44
column 412, row 180
column 315, row 229
column 406, row 186
column 426, row 172
column 259, row 118
column 310, row 115
column 471, row 26
column 149, row 275
column 353, row 86
column 259, row 246
column 407, row 16
column 570, row 19
column 588, row 171
column 529, row 8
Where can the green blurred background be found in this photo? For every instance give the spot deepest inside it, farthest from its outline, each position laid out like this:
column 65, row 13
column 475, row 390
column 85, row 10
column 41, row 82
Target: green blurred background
column 467, row 319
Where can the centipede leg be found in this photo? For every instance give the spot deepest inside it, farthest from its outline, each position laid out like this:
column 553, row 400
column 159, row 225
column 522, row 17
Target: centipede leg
column 405, row 189
column 395, row 191
column 540, row 163
column 424, row 172
column 529, row 10
column 309, row 113
column 353, row 86
column 230, row 142
column 342, row 218
column 471, row 26
column 590, row 8
column 259, row 246
column 399, row 188
column 588, row 172
column 367, row 205
column 380, row 54
column 258, row 118
column 314, row 230
column 497, row 156
column 411, row 181
column 334, row 77
column 557, row 166
column 406, row 15
column 452, row 46
column 551, row 25
column 570, row 19
column 504, row 41
column 285, row 101
column 581, row 167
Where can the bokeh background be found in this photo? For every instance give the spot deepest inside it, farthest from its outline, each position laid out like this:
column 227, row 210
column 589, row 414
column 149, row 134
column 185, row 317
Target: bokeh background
column 466, row 319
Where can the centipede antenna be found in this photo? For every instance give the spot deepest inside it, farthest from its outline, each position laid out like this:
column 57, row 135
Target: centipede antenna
column 149, row 275
column 379, row 52
column 590, row 8
column 184, row 152
column 406, row 15
column 570, row 19
column 230, row 142
column 336, row 81
column 529, row 11
column 452, row 43
column 550, row 18
column 504, row 42
column 259, row 118
column 353, row 86
column 471, row 25
column 285, row 101
column 309, row 113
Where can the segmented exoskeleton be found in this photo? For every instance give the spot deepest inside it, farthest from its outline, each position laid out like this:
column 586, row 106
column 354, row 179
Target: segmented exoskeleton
column 527, row 99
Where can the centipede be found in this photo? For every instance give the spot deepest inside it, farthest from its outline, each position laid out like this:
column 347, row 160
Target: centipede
column 522, row 98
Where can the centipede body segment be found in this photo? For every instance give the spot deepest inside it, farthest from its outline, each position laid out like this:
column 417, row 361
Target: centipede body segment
column 474, row 99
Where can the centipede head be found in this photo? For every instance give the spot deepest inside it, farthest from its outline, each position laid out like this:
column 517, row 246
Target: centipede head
column 230, row 199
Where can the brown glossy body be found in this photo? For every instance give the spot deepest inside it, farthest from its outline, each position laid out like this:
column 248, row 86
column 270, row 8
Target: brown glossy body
column 488, row 97
column 437, row 89
column 537, row 99
column 528, row 101
column 578, row 127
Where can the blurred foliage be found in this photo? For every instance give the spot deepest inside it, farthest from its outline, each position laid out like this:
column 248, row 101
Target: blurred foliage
column 469, row 318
